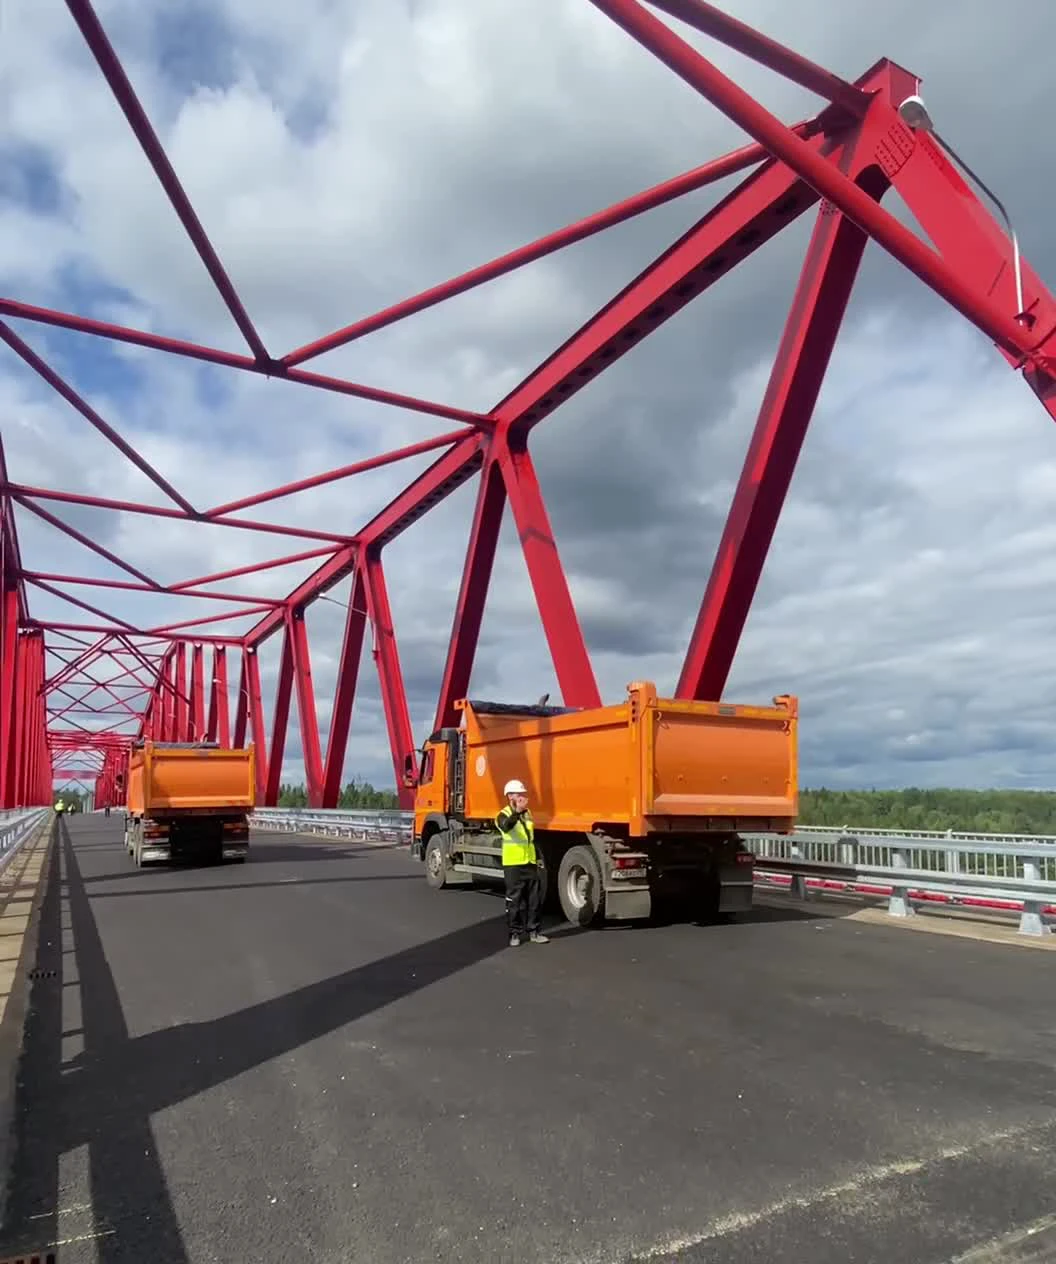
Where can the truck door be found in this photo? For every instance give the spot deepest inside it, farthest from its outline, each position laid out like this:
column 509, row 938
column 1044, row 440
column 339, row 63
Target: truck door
column 433, row 780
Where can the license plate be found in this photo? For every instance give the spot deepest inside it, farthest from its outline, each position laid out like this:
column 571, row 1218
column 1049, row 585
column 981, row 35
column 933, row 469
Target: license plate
column 629, row 873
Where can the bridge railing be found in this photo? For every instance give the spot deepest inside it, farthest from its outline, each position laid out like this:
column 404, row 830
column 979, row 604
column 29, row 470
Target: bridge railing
column 1006, row 872
column 16, row 825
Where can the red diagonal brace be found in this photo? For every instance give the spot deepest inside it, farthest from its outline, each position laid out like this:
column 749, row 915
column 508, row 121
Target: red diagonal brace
column 814, row 321
column 473, row 594
column 387, row 658
column 196, row 718
column 310, row 747
column 345, row 692
column 575, row 675
column 219, row 728
column 282, row 716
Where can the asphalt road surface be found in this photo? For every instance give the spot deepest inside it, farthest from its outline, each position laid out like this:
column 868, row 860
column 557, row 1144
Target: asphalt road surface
column 315, row 1057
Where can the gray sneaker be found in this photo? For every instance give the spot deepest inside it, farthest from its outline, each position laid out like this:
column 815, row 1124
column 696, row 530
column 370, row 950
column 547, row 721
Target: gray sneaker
column 515, row 941
column 539, row 938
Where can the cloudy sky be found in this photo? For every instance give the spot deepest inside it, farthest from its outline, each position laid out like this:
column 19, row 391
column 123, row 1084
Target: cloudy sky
column 343, row 155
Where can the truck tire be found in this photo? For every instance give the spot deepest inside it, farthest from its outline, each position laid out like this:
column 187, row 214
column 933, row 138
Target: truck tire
column 436, row 862
column 580, row 887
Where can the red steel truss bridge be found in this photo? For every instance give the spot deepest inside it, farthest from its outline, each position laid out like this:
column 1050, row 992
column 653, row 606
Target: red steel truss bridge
column 171, row 682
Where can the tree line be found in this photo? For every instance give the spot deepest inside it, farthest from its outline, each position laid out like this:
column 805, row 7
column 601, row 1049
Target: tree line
column 965, row 811
column 357, row 794
column 968, row 811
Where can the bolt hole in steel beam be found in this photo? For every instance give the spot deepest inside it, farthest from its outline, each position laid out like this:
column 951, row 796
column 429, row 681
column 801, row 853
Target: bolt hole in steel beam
column 786, row 171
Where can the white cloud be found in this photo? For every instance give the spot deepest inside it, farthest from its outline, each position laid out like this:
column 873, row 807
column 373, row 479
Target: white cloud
column 342, row 157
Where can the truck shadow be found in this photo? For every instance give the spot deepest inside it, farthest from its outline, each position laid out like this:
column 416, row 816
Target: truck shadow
column 104, row 1098
column 766, row 910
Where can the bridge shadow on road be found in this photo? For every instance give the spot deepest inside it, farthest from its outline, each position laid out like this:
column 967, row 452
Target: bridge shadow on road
column 105, row 1097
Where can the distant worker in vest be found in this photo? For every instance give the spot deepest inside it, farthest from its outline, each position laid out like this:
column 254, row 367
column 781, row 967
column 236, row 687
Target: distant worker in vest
column 60, row 807
column 520, row 868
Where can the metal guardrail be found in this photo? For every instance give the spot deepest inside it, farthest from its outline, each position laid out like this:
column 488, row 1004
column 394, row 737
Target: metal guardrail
column 15, row 827
column 1012, row 872
column 370, row 826
column 986, row 871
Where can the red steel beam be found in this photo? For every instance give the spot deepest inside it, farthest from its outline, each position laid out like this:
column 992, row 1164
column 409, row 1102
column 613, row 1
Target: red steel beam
column 257, row 725
column 22, row 494
column 283, row 689
column 74, row 534
column 659, row 195
column 101, row 630
column 182, row 706
column 752, row 43
column 830, row 183
column 227, row 359
column 251, row 569
column 164, row 590
column 114, row 73
column 196, row 720
column 10, row 736
column 345, row 471
column 472, row 594
column 306, row 712
column 387, row 659
column 59, row 385
column 817, row 311
column 219, row 725
column 762, row 205
column 575, row 675
column 345, row 691
column 450, row 471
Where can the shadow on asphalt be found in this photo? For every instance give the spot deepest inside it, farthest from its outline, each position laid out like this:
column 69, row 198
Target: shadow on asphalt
column 257, row 856
column 151, row 891
column 104, row 1098
column 761, row 914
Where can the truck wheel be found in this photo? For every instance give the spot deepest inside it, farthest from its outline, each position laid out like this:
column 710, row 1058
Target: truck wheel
column 435, row 862
column 580, row 887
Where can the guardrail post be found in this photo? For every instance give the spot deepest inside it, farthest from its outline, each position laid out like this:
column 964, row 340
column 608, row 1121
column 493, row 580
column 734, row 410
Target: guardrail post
column 1031, row 921
column 798, row 889
column 899, row 903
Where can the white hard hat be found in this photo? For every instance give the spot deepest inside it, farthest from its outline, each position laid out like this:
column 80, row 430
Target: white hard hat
column 515, row 787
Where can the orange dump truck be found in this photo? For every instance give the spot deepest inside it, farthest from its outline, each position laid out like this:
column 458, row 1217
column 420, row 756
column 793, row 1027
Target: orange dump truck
column 632, row 803
column 189, row 799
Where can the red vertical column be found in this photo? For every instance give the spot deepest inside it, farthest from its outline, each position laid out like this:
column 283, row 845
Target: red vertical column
column 18, row 744
column 242, row 705
column 345, row 693
column 282, row 715
column 196, row 715
column 309, row 721
column 255, row 703
column 387, row 659
column 168, row 733
column 575, row 675
column 824, row 289
column 8, row 684
column 473, row 594
column 219, row 703
column 181, row 716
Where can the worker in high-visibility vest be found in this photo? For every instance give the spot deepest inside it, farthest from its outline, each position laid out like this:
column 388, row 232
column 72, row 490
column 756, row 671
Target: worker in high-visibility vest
column 60, row 806
column 520, row 866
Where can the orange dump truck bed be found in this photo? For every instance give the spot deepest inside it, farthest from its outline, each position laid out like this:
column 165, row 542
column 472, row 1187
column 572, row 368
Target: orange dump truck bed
column 649, row 764
column 172, row 778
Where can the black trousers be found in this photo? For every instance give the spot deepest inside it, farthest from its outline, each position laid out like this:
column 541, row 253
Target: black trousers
column 524, row 890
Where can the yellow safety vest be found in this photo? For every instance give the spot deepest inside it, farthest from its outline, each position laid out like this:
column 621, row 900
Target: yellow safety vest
column 518, row 843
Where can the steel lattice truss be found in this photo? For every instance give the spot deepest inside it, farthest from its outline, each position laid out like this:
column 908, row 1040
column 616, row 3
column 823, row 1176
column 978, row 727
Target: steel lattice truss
column 869, row 137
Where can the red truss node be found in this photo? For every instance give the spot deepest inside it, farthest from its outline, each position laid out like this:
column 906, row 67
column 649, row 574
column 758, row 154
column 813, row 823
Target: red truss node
column 116, row 680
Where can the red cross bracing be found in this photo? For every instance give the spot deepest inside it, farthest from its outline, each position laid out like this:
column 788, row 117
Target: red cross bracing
column 172, row 681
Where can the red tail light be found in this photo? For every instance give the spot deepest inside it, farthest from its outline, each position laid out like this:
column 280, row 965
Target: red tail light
column 745, row 858
column 628, row 862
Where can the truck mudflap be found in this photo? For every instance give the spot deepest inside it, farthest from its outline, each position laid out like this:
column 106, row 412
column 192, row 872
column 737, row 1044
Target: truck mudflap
column 736, row 882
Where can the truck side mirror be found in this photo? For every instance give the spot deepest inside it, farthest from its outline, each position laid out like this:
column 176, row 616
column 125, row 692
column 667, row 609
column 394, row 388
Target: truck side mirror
column 409, row 779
